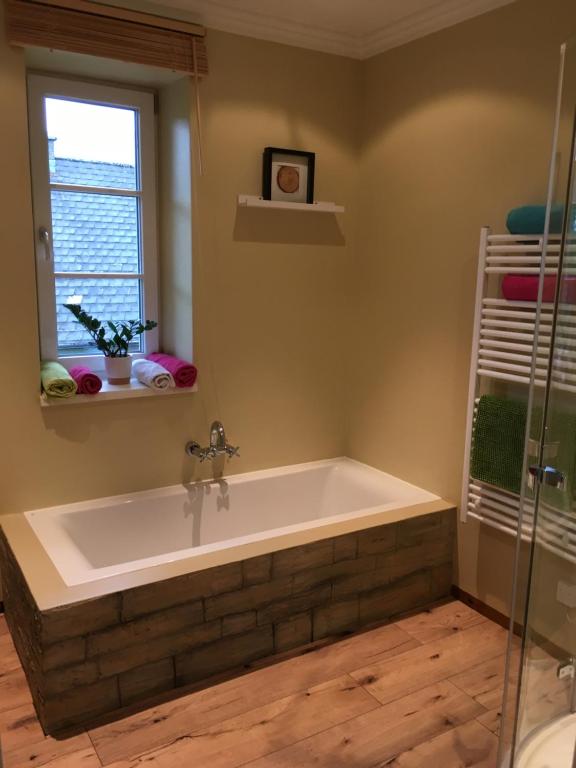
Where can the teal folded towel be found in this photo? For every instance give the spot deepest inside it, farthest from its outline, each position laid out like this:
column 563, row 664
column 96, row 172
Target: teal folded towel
column 531, row 219
column 56, row 381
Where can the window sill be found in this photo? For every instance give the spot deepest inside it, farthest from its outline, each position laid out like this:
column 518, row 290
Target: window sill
column 112, row 392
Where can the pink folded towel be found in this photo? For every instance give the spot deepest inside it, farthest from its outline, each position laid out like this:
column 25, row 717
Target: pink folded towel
column 87, row 381
column 525, row 288
column 183, row 373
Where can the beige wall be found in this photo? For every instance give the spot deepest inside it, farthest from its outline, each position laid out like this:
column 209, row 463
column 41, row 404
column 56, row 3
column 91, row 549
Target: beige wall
column 313, row 340
column 176, row 231
column 457, row 130
column 269, row 293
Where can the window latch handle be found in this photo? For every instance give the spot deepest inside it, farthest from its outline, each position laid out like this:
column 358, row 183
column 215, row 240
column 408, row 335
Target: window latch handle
column 44, row 235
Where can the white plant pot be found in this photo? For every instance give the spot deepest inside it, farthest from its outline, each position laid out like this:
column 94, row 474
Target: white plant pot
column 118, row 369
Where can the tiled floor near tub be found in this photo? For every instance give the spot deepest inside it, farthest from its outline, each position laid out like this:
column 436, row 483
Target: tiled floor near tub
column 421, row 692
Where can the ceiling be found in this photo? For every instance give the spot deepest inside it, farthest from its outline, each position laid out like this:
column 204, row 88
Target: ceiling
column 355, row 28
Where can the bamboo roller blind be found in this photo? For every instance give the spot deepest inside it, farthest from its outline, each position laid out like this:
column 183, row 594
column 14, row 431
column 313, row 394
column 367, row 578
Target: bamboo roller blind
column 81, row 26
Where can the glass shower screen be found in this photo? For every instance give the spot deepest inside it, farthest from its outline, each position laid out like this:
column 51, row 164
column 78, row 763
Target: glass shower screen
column 538, row 727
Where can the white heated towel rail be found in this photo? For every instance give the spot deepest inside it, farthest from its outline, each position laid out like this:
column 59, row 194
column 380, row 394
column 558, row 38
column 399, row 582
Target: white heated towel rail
column 502, row 347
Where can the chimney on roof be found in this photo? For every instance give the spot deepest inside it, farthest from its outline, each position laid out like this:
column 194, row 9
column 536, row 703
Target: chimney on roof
column 51, row 156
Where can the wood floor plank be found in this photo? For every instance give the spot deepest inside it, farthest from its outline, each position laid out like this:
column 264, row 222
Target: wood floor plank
column 492, row 720
column 545, row 695
column 377, row 737
column 494, row 699
column 9, row 660
column 22, row 739
column 13, row 719
column 161, row 725
column 25, row 744
column 469, row 745
column 430, row 663
column 265, row 729
column 439, row 622
column 482, row 680
column 85, row 758
column 14, row 691
column 22, row 727
column 485, row 683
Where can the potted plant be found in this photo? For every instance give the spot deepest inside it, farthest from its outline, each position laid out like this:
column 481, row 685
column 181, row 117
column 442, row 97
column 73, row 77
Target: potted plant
column 112, row 339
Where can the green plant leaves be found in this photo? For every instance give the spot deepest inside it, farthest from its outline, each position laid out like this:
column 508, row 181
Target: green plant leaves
column 122, row 333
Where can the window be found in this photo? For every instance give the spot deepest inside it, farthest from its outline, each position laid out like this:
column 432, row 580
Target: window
column 94, row 193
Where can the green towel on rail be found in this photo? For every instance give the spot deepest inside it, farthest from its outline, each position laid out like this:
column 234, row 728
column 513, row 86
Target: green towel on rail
column 498, row 447
column 498, row 442
column 56, row 381
column 561, row 454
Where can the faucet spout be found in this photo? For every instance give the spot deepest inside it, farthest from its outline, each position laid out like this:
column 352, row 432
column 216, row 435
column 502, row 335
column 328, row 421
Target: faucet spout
column 218, row 445
column 218, row 437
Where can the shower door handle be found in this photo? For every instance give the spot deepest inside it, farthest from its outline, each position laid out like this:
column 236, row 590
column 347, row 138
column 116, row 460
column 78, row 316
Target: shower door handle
column 546, row 476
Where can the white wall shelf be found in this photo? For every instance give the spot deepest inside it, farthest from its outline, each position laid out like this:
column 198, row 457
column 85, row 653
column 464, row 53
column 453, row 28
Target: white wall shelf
column 111, row 392
column 253, row 201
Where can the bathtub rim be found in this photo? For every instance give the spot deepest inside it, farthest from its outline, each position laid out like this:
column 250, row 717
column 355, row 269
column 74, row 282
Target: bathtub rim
column 73, row 568
column 50, row 591
column 258, row 474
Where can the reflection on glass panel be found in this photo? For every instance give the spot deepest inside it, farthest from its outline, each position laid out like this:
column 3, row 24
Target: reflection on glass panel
column 94, row 233
column 91, row 144
column 107, row 299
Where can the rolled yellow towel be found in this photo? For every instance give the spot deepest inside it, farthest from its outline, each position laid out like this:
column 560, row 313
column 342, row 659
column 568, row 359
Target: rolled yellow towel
column 56, row 381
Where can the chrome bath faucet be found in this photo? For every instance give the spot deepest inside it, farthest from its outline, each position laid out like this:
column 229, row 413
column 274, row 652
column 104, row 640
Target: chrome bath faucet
column 218, row 445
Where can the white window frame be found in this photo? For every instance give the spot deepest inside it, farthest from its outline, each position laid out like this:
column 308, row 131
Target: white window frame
column 40, row 87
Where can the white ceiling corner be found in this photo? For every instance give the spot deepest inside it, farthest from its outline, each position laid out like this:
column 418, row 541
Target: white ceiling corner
column 357, row 29
column 424, row 22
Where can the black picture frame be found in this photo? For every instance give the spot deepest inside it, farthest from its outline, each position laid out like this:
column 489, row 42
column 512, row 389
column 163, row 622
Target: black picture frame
column 309, row 159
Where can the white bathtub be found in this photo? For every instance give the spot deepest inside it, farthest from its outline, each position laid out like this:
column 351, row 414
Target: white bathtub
column 281, row 507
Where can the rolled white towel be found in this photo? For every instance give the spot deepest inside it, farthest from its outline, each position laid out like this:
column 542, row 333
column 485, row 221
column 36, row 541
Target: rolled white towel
column 152, row 374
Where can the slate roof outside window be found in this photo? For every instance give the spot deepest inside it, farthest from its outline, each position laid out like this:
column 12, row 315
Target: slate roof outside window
column 94, row 233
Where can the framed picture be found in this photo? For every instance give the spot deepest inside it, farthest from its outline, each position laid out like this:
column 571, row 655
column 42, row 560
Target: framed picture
column 288, row 175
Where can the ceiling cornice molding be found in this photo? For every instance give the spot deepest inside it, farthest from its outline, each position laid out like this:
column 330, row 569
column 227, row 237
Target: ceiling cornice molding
column 218, row 15
column 443, row 14
column 265, row 27
column 416, row 25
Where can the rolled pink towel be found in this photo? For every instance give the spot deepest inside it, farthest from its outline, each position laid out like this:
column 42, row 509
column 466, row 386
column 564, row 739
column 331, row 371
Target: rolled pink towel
column 87, row 381
column 183, row 373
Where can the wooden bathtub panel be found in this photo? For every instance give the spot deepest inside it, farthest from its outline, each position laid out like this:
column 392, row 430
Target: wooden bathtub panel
column 90, row 659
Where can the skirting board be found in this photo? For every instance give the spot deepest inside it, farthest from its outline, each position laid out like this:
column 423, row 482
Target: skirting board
column 485, row 609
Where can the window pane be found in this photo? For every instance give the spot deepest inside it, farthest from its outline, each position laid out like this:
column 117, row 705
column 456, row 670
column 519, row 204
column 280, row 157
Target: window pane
column 91, row 144
column 106, row 299
column 94, row 233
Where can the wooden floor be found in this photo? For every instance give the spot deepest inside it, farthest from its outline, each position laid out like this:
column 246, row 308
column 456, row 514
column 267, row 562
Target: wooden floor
column 423, row 692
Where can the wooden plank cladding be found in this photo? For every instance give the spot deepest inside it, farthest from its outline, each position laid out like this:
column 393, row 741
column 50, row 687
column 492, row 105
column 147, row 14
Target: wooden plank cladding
column 94, row 657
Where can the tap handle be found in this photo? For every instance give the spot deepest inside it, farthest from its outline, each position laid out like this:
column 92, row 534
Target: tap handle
column 232, row 451
column 193, row 449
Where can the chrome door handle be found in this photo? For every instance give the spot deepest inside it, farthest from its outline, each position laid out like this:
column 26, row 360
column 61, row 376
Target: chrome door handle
column 546, row 476
column 44, row 237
